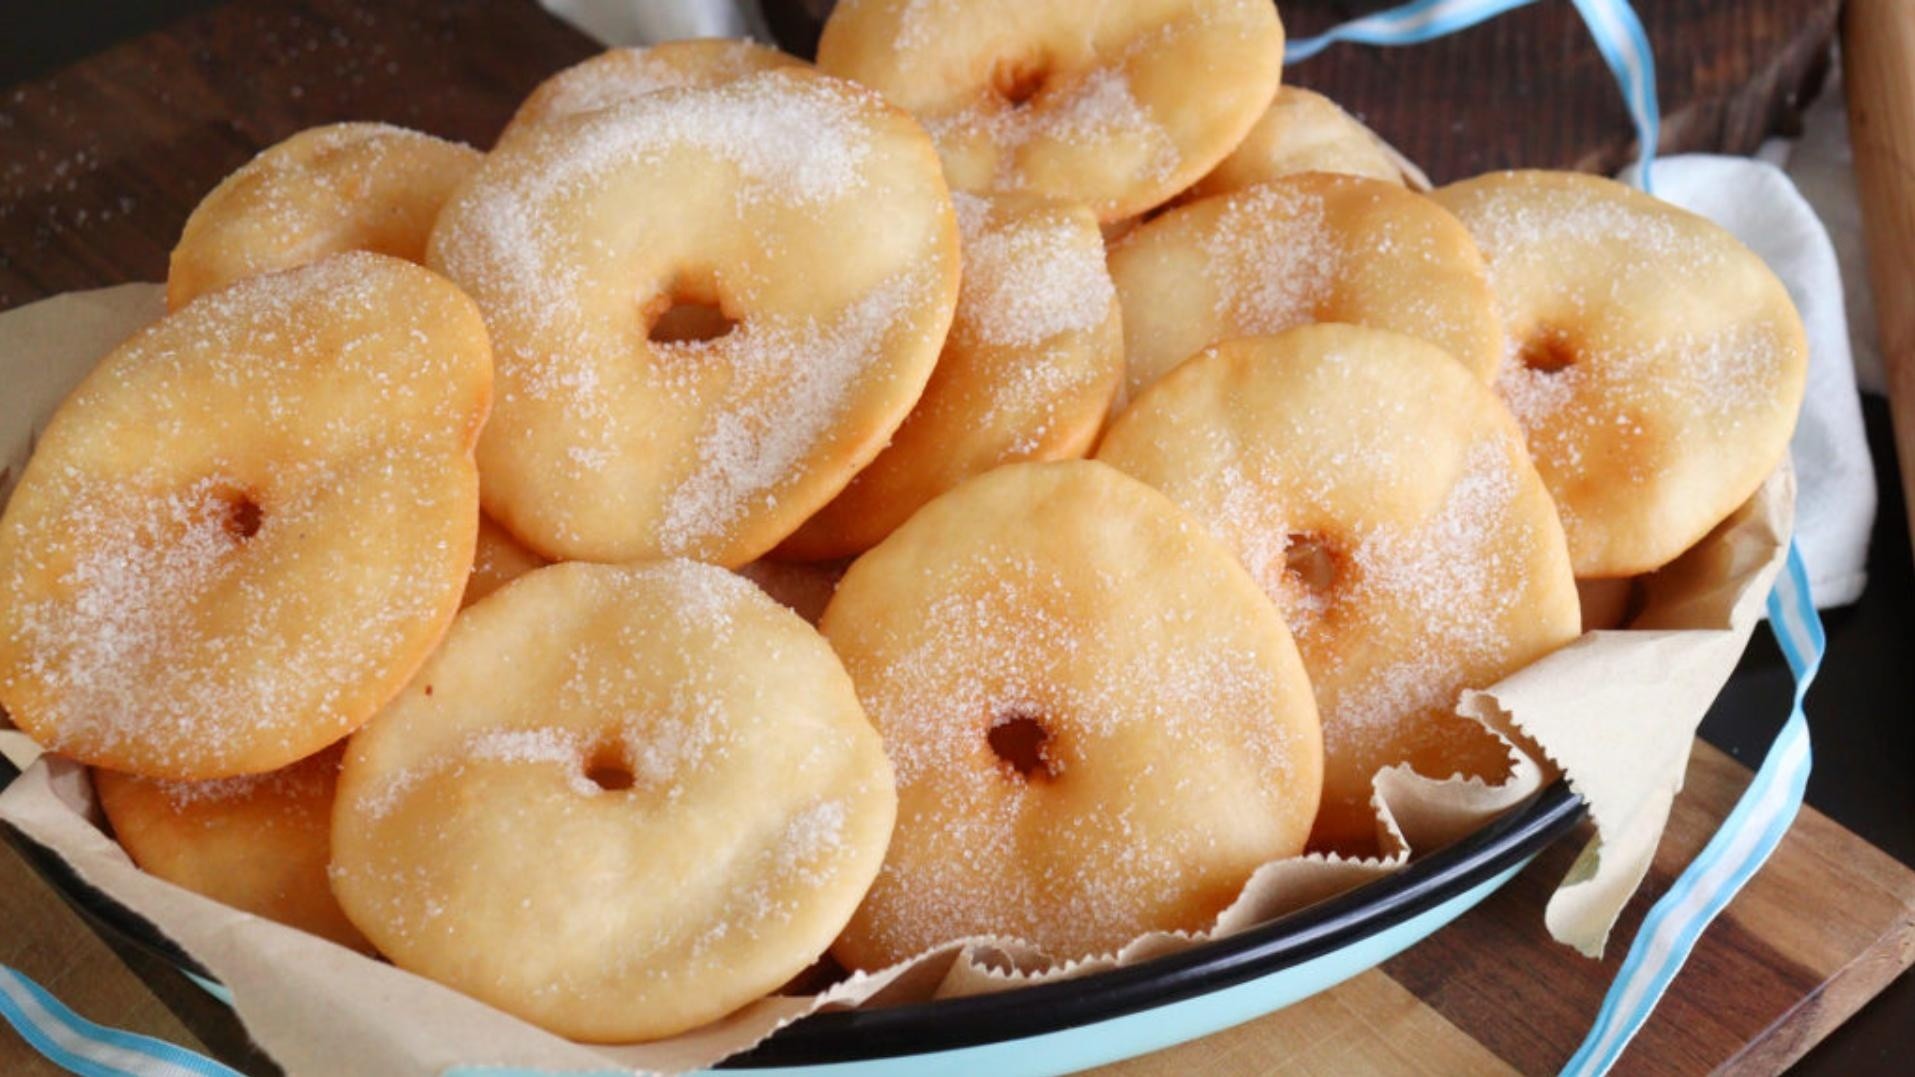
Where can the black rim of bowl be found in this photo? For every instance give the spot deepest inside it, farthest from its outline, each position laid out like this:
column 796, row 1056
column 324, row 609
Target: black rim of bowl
column 951, row 1024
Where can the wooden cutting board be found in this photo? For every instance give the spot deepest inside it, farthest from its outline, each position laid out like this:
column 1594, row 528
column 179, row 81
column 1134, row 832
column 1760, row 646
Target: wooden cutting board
column 101, row 162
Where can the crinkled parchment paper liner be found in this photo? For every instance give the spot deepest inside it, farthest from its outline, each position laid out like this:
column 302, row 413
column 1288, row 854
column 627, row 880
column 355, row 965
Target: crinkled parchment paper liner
column 1615, row 711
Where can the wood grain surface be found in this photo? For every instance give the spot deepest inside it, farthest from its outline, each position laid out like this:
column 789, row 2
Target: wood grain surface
column 1880, row 38
column 101, row 162
column 1728, row 73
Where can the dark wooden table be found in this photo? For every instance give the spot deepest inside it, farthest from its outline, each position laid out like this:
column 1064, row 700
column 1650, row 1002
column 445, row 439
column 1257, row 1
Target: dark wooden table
column 116, row 118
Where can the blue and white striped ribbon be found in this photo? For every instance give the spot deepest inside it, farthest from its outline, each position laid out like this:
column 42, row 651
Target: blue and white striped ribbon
column 77, row 1045
column 1411, row 24
column 1613, row 23
column 1744, row 842
column 1625, row 48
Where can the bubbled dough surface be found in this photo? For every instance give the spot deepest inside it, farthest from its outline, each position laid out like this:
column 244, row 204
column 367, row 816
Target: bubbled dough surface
column 820, row 214
column 1450, row 568
column 258, row 843
column 1689, row 359
column 1303, row 131
column 1033, row 360
column 470, row 846
column 1302, row 249
column 1180, row 719
column 342, row 187
column 1140, row 98
column 618, row 75
column 137, row 633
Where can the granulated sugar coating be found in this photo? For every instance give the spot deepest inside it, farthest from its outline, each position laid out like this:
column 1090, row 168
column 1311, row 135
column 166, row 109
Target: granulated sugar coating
column 1043, row 97
column 1655, row 364
column 1271, row 259
column 247, row 527
column 1302, row 249
column 802, row 210
column 1100, row 728
column 788, row 395
column 325, row 190
column 616, row 76
column 619, row 802
column 1028, row 371
column 297, row 780
column 1383, row 499
column 1030, row 278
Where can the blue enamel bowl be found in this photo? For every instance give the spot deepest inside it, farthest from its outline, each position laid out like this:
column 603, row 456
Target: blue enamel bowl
column 1082, row 1022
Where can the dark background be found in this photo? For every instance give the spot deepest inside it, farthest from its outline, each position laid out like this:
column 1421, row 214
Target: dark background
column 1860, row 708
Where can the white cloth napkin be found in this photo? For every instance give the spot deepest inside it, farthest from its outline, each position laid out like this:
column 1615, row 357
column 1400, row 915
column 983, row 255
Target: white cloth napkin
column 1835, row 498
column 646, row 22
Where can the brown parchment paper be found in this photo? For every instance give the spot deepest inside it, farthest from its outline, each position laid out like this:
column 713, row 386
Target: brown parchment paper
column 1614, row 711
